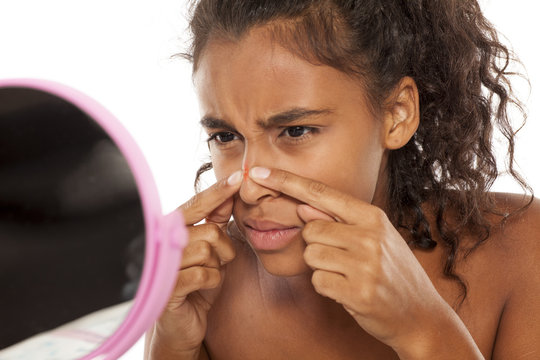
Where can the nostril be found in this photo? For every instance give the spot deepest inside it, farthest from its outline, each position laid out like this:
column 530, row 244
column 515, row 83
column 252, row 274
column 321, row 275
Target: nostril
column 252, row 193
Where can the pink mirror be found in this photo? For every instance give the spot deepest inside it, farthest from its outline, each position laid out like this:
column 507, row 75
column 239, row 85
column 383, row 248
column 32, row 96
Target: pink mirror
column 87, row 258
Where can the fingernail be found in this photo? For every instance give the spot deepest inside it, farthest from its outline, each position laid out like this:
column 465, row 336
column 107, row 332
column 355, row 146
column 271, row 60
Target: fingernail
column 259, row 172
column 235, row 178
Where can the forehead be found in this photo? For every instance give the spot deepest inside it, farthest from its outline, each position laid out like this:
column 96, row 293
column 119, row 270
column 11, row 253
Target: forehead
column 256, row 76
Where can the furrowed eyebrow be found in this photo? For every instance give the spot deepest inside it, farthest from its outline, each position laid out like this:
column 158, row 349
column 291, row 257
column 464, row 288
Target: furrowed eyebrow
column 279, row 119
column 292, row 115
column 210, row 122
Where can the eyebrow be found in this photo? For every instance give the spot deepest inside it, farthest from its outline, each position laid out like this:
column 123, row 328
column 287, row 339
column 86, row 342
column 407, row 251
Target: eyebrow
column 279, row 119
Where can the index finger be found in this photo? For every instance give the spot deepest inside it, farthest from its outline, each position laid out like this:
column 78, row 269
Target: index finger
column 341, row 206
column 202, row 204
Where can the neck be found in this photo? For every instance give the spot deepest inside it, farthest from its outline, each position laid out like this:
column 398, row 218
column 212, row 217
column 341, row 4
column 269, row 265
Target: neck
column 381, row 189
column 296, row 293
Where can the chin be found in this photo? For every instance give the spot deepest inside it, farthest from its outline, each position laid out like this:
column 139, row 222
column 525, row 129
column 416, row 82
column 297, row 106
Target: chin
column 284, row 263
column 283, row 268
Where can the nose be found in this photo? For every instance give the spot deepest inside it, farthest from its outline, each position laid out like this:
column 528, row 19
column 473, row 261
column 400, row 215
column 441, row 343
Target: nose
column 250, row 192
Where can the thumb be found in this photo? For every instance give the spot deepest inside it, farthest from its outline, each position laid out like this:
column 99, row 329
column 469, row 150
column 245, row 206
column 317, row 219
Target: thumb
column 222, row 213
column 308, row 213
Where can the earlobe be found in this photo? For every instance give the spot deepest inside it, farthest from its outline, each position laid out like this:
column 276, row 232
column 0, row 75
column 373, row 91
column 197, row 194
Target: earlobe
column 402, row 115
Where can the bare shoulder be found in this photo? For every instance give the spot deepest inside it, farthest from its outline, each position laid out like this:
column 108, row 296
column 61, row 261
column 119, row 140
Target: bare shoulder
column 520, row 233
column 502, row 308
column 517, row 242
column 512, row 250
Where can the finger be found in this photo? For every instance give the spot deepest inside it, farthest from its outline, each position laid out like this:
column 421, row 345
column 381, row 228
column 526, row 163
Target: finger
column 335, row 203
column 204, row 203
column 222, row 213
column 330, row 284
column 308, row 213
column 343, row 236
column 216, row 238
column 328, row 258
column 200, row 253
column 196, row 278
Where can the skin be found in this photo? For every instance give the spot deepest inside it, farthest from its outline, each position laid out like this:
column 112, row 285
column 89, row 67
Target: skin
column 347, row 285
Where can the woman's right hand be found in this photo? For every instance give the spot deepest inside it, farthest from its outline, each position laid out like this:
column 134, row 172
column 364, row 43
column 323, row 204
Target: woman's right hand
column 182, row 326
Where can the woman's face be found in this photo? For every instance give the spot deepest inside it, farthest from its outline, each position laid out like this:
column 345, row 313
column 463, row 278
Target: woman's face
column 261, row 102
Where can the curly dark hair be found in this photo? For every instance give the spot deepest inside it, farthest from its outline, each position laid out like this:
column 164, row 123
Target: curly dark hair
column 460, row 67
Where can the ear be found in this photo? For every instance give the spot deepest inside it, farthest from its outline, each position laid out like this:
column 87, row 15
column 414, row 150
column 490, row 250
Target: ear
column 402, row 114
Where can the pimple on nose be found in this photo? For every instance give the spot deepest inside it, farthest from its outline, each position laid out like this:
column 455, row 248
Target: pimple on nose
column 246, row 172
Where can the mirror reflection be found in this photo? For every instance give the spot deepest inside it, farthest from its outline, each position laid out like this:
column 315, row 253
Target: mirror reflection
column 71, row 226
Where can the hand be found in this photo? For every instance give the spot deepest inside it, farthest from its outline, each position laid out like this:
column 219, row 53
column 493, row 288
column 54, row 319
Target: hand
column 182, row 325
column 361, row 261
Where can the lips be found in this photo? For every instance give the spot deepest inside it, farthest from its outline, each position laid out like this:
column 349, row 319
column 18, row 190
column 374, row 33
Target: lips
column 267, row 235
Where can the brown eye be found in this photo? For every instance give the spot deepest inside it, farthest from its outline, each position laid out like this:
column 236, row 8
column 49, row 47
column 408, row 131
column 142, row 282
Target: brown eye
column 296, row 131
column 222, row 137
column 296, row 135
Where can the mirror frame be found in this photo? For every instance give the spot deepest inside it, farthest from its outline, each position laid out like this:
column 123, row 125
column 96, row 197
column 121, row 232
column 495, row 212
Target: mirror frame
column 166, row 235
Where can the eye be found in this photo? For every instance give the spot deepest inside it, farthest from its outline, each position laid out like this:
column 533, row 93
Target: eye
column 297, row 131
column 298, row 134
column 222, row 137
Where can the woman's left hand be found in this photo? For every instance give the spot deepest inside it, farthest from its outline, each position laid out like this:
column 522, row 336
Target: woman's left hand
column 362, row 262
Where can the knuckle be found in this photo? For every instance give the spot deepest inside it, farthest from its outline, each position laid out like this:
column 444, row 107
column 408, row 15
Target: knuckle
column 372, row 246
column 310, row 229
column 229, row 256
column 316, row 188
column 282, row 177
column 212, row 230
column 200, row 275
column 378, row 216
column 315, row 252
column 204, row 249
column 310, row 253
column 368, row 294
column 193, row 202
column 320, row 281
column 192, row 236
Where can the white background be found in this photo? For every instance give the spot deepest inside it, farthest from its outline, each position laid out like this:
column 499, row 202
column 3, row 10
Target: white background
column 119, row 52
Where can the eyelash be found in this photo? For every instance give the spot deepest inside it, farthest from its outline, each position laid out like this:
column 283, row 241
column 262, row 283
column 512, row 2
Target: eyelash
column 294, row 139
column 215, row 135
column 302, row 138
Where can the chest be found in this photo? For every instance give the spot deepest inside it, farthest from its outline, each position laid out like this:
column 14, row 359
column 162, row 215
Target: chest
column 243, row 324
column 248, row 330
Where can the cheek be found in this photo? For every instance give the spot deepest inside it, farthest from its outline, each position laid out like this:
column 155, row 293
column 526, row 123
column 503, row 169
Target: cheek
column 349, row 166
column 225, row 162
column 361, row 176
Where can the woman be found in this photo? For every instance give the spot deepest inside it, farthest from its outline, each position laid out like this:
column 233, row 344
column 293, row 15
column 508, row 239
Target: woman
column 353, row 143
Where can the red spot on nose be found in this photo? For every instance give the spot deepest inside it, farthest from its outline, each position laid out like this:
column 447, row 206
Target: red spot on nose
column 246, row 172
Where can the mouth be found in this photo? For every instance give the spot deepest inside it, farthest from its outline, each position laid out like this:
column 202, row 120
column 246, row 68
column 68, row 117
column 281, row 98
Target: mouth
column 266, row 235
